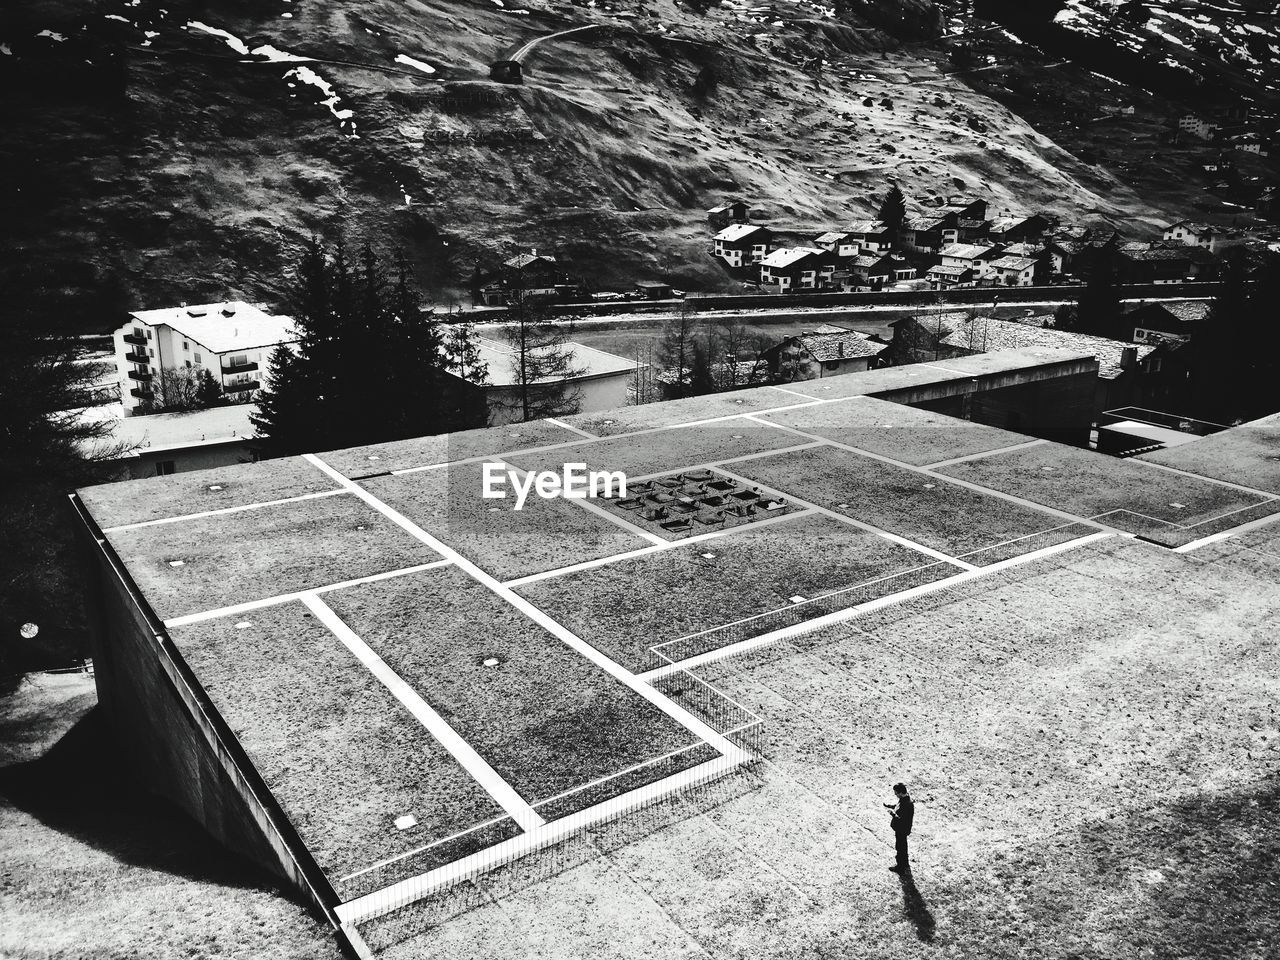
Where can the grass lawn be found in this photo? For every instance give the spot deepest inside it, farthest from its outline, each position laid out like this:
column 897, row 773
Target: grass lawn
column 625, row 608
column 342, row 756
column 263, row 553
column 674, row 412
column 545, row 718
column 501, row 540
column 665, row 451
column 929, row 511
column 133, row 501
column 357, row 462
column 895, row 430
column 1095, row 769
column 1248, row 455
column 93, row 864
column 1125, row 494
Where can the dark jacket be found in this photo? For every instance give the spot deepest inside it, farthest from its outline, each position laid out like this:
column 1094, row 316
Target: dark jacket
column 903, row 815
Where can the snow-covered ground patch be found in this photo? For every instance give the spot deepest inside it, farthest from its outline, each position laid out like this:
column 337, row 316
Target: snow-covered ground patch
column 409, row 61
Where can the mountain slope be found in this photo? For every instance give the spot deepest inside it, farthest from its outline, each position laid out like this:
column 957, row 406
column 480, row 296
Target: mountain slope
column 202, row 175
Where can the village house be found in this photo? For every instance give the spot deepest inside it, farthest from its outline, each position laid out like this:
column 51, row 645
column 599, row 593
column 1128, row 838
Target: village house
column 872, row 235
column 825, row 352
column 1012, row 229
column 797, row 268
column 943, row 276
column 1165, row 264
column 742, row 244
column 1014, row 271
column 840, row 243
column 1197, row 126
column 929, row 234
column 733, row 212
column 970, row 209
column 532, row 275
column 231, row 340
column 975, row 257
column 1194, row 234
column 1153, row 322
column 873, row 271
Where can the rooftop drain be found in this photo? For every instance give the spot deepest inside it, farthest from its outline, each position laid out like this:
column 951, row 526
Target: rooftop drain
column 1177, row 506
column 737, row 436
column 215, row 486
column 928, row 486
column 28, row 630
column 797, row 599
column 177, row 563
column 708, row 556
column 491, row 661
column 244, row 625
column 407, row 821
column 374, row 456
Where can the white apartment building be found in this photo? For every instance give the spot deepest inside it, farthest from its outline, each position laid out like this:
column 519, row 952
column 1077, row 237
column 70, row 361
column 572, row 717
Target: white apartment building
column 232, row 340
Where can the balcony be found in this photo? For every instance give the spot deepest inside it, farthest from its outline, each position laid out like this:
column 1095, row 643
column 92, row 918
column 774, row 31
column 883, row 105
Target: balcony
column 141, row 377
column 228, row 368
column 240, row 386
column 142, row 393
column 134, row 339
column 137, row 358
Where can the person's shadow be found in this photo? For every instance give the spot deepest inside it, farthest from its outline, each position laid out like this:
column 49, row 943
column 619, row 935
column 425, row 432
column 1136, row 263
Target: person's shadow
column 916, row 909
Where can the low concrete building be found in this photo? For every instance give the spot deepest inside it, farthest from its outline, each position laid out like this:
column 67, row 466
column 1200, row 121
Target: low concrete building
column 232, row 340
column 165, row 443
column 601, row 383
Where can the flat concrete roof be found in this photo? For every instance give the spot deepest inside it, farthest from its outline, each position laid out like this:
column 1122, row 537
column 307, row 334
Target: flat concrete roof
column 1009, row 625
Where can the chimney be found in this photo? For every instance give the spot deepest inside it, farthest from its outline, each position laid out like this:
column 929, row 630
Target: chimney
column 1129, row 358
column 533, row 251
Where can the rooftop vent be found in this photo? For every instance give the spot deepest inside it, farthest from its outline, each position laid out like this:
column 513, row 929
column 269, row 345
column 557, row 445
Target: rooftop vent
column 196, row 311
column 228, row 311
column 407, row 821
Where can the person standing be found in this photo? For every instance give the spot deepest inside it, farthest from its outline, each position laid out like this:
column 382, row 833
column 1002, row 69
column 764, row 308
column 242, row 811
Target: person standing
column 901, row 816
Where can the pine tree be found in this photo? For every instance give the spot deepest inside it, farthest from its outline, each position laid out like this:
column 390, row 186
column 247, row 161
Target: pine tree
column 49, row 449
column 543, row 365
column 675, row 349
column 369, row 365
column 208, row 390
column 893, row 211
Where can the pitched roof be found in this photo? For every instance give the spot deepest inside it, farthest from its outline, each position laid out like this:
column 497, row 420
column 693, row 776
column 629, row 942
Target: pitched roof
column 987, row 335
column 222, row 327
column 832, row 236
column 922, row 223
column 846, row 345
column 788, row 256
column 865, row 262
column 1193, row 226
column 949, row 271
column 1013, row 263
column 737, row 231
column 867, row 226
column 589, row 360
column 966, row 251
column 520, row 261
column 1006, row 223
